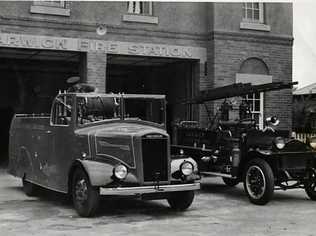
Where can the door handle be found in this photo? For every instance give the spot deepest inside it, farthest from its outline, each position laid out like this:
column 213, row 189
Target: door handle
column 48, row 132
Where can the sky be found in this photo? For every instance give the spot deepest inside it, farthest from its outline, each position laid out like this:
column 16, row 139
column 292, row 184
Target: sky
column 304, row 47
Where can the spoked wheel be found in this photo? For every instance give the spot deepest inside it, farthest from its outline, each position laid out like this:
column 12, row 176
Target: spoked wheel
column 85, row 197
column 28, row 188
column 310, row 185
column 230, row 182
column 259, row 182
column 181, row 201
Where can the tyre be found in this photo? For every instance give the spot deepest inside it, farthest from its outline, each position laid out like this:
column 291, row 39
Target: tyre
column 84, row 196
column 258, row 181
column 28, row 188
column 230, row 182
column 310, row 186
column 181, row 201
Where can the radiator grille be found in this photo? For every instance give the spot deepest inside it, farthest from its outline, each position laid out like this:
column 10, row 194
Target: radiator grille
column 155, row 159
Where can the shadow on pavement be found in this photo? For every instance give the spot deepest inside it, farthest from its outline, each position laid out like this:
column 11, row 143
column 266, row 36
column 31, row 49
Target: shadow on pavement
column 109, row 206
column 238, row 192
column 217, row 188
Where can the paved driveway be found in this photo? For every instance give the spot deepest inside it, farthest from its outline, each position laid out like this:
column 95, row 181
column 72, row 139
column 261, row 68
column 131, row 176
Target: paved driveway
column 217, row 210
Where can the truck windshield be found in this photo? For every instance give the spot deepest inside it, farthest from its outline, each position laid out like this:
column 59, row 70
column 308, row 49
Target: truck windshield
column 95, row 108
column 146, row 109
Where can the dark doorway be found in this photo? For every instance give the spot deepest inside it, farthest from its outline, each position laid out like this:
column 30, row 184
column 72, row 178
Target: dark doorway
column 147, row 75
column 29, row 81
column 6, row 117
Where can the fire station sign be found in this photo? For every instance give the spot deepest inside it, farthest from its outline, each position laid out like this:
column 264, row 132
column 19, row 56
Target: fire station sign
column 100, row 46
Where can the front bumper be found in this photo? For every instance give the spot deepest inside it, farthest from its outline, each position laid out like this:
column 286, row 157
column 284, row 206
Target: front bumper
column 130, row 191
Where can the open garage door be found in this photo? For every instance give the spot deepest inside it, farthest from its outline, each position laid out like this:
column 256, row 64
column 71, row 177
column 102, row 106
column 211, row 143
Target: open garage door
column 29, row 81
column 152, row 75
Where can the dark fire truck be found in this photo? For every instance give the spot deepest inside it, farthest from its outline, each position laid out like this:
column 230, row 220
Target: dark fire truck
column 238, row 151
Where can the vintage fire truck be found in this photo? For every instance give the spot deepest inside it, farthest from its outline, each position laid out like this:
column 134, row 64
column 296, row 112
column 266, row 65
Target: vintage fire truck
column 237, row 151
column 101, row 144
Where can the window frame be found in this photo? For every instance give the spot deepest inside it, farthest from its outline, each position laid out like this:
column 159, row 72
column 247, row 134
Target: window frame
column 252, row 19
column 58, row 8
column 140, row 17
column 60, row 4
column 138, row 5
column 252, row 101
column 65, row 98
column 256, row 79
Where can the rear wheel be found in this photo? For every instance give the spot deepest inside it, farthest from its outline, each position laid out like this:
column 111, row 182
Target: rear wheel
column 310, row 185
column 28, row 188
column 259, row 181
column 230, row 182
column 181, row 201
column 85, row 197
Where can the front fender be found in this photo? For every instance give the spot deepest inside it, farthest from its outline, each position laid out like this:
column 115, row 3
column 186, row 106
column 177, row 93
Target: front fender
column 100, row 173
column 265, row 152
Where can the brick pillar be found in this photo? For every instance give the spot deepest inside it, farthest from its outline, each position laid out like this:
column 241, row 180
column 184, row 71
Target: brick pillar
column 96, row 70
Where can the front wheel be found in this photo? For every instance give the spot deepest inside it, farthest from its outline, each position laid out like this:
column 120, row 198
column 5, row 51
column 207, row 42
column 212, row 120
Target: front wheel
column 310, row 185
column 258, row 181
column 181, row 201
column 85, row 197
column 230, row 182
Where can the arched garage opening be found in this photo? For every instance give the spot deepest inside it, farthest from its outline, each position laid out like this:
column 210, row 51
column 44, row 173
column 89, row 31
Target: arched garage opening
column 155, row 75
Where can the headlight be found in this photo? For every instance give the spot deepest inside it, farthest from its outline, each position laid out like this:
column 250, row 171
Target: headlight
column 120, row 172
column 312, row 142
column 186, row 168
column 279, row 142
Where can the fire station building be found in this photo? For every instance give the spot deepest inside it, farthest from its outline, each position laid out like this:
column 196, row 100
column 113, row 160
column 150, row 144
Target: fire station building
column 171, row 48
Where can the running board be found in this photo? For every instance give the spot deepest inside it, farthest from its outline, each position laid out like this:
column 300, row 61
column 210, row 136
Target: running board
column 218, row 174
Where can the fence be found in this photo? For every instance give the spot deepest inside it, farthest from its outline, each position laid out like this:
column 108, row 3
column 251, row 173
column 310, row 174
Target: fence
column 303, row 136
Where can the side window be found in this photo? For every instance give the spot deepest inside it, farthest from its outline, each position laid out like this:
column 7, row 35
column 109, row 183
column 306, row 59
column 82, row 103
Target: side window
column 62, row 111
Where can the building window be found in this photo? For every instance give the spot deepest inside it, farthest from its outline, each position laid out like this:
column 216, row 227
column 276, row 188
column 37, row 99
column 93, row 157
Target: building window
column 255, row 71
column 253, row 12
column 142, row 8
column 141, row 12
column 253, row 16
column 255, row 102
column 50, row 8
column 60, row 4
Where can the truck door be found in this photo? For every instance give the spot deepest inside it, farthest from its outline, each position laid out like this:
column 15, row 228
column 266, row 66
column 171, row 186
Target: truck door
column 62, row 138
column 41, row 140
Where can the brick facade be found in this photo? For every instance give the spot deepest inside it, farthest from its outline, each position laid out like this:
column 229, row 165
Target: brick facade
column 214, row 27
column 225, row 56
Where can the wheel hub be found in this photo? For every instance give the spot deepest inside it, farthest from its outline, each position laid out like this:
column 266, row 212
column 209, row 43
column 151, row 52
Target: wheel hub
column 255, row 182
column 81, row 191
